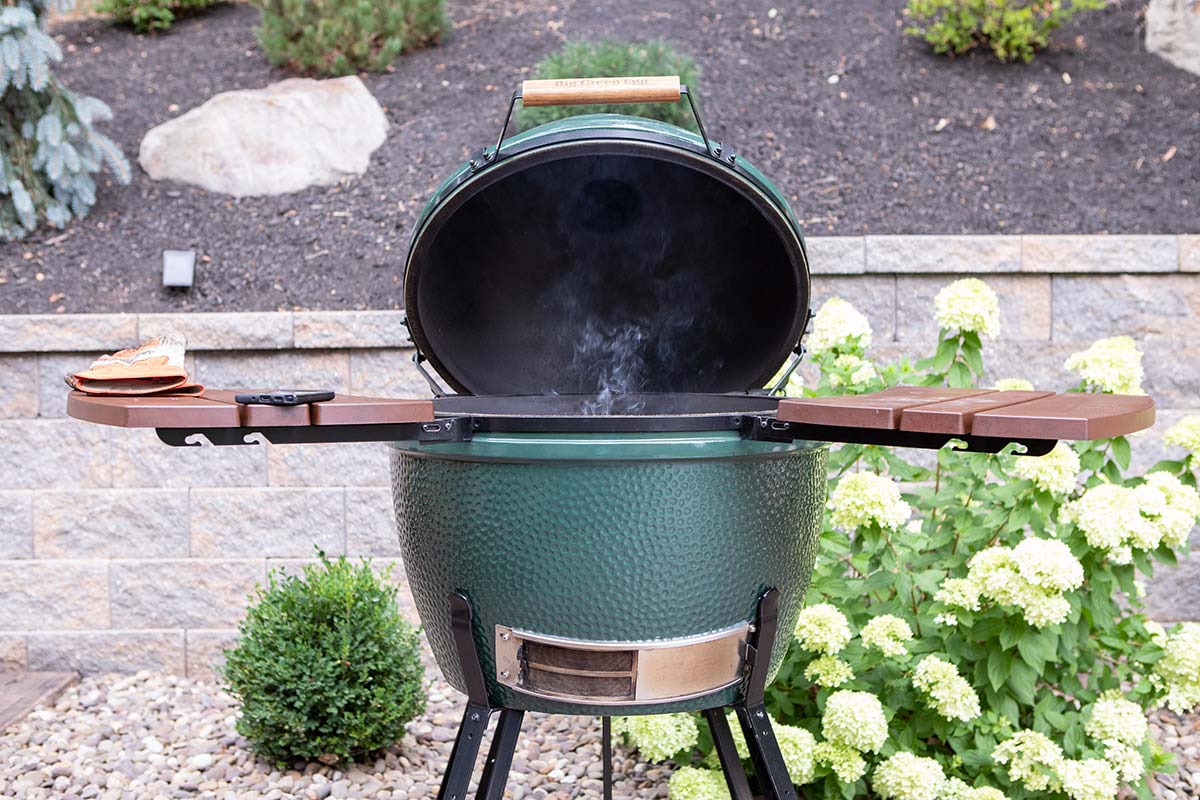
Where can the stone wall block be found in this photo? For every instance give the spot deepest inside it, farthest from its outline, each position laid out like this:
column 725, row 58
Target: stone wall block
column 98, row 652
column 965, row 254
column 53, row 595
column 1067, row 254
column 53, row 454
column 350, row 329
column 252, row 523
column 18, row 387
column 111, row 523
column 66, row 333
column 16, row 524
column 221, row 330
column 194, row 593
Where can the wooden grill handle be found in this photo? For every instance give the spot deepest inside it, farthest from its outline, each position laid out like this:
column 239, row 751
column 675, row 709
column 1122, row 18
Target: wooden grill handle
column 594, row 91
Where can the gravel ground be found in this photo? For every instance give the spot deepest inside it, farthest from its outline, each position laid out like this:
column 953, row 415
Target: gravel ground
column 150, row 736
column 864, row 129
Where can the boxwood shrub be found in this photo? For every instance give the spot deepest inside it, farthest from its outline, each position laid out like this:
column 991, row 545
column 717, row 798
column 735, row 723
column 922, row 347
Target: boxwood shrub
column 326, row 669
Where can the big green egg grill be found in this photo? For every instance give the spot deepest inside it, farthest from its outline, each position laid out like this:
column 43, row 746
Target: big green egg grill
column 602, row 511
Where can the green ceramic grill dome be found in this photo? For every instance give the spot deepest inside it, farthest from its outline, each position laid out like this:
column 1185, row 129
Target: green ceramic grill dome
column 598, row 255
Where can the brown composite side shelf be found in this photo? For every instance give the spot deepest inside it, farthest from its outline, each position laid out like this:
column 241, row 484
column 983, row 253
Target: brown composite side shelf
column 218, row 409
column 1014, row 415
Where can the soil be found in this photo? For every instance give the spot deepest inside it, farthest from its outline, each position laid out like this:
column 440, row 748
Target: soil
column 865, row 129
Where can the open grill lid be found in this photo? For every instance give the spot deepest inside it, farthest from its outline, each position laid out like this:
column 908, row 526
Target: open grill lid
column 606, row 254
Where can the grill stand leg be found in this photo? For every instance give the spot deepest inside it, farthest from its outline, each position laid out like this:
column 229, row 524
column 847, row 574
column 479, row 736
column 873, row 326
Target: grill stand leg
column 466, row 749
column 731, row 763
column 499, row 759
column 607, row 755
column 769, row 766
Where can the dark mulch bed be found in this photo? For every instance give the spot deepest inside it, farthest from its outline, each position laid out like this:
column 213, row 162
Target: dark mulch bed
column 859, row 155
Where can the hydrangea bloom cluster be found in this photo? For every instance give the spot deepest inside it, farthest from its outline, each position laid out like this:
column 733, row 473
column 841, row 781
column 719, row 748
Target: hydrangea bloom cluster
column 821, row 628
column 1115, row 719
column 828, row 671
column 864, row 498
column 905, row 776
column 948, row 693
column 969, row 306
column 1033, row 760
column 1185, row 434
column 958, row 789
column 1179, row 670
column 887, row 634
column 854, row 719
column 1033, row 576
column 1120, row 519
column 1013, row 385
column 859, row 372
column 660, row 736
column 836, row 325
column 1111, row 365
column 846, row 762
column 1054, row 472
column 798, row 748
column 694, row 783
column 1089, row 779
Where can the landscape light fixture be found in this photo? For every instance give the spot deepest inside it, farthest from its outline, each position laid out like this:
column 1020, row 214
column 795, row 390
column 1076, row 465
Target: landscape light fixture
column 178, row 268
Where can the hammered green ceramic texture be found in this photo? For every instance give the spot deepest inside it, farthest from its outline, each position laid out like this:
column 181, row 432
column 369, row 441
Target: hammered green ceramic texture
column 673, row 535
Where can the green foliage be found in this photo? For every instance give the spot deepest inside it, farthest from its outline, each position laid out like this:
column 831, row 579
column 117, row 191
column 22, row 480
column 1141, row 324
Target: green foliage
column 340, row 37
column 49, row 146
column 1035, row 618
column 150, row 15
column 1013, row 29
column 611, row 59
column 326, row 668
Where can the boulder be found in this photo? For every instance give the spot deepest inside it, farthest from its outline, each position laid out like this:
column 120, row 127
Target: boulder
column 283, row 138
column 1173, row 32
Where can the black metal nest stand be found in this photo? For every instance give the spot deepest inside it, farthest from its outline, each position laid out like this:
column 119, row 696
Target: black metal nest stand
column 769, row 767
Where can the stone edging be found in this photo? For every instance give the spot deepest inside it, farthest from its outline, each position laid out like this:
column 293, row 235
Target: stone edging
column 828, row 255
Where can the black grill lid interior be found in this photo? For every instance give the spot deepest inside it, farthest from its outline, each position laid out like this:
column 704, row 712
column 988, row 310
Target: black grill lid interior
column 614, row 268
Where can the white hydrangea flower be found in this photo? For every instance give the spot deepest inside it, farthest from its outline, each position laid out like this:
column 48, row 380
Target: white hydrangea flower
column 846, row 762
column 828, row 671
column 659, row 736
column 1126, row 760
column 905, row 776
column 798, row 747
column 970, row 306
column 1049, row 564
column 835, row 324
column 1041, row 608
column 1112, row 365
column 1107, row 514
column 957, row 789
column 959, row 593
column 1180, row 511
column 861, row 371
column 1115, row 719
column 854, row 719
column 864, row 498
column 694, row 783
column 821, row 628
column 986, row 793
column 1185, row 434
column 1033, row 760
column 1090, row 779
column 1179, row 668
column 995, row 572
column 1012, row 385
column 1158, row 634
column 887, row 634
column 1054, row 472
column 947, row 692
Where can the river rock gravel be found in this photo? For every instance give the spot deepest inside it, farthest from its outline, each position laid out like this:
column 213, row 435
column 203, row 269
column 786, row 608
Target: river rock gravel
column 151, row 736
